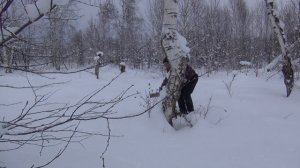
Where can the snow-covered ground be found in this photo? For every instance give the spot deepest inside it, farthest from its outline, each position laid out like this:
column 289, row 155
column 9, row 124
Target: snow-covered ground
column 254, row 127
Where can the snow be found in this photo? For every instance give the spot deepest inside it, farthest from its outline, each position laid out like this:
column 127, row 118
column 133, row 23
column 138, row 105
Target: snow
column 99, row 53
column 282, row 25
column 255, row 127
column 182, row 43
column 123, row 63
column 61, row 2
column 275, row 62
column 245, row 63
column 96, row 58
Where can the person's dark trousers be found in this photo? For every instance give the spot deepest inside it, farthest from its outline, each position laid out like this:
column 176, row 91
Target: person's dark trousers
column 185, row 101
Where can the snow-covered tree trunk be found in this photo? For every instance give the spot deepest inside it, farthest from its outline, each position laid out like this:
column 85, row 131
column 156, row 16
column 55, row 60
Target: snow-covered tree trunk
column 174, row 46
column 278, row 26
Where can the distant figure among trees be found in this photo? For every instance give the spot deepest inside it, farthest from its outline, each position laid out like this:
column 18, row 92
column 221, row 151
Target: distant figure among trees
column 122, row 66
column 97, row 59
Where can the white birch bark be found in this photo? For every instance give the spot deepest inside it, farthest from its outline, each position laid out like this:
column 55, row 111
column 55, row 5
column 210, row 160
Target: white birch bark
column 277, row 24
column 177, row 53
column 278, row 27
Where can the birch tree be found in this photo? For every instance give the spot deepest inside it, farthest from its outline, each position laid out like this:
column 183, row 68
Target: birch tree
column 177, row 53
column 278, row 26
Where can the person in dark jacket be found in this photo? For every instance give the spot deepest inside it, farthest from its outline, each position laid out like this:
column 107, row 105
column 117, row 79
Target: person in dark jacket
column 185, row 101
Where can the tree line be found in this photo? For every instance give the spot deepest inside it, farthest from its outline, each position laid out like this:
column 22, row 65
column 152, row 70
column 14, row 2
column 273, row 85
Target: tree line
column 220, row 36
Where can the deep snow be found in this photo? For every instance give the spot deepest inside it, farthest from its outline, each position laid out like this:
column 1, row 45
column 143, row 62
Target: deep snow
column 256, row 127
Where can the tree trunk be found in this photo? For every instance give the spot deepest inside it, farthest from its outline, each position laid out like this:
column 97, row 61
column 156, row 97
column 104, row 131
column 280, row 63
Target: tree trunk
column 177, row 55
column 8, row 56
column 278, row 26
column 299, row 21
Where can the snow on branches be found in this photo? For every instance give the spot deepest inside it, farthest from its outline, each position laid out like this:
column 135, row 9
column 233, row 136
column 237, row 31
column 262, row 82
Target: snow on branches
column 34, row 12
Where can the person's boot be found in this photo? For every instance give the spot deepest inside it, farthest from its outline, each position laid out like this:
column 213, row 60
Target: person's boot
column 189, row 105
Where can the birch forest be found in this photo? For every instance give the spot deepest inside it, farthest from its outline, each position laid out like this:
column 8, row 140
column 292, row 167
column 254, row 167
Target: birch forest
column 220, row 36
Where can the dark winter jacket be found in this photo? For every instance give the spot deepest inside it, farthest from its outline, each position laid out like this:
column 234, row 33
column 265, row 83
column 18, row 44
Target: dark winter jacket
column 189, row 75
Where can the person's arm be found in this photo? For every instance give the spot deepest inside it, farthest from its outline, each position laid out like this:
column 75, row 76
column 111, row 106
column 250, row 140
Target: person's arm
column 164, row 83
column 190, row 73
